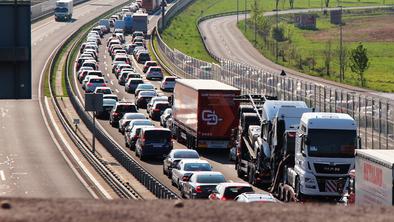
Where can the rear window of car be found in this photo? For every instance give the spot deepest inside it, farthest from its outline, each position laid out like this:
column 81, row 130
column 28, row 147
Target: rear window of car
column 126, row 108
column 96, row 80
column 186, row 154
column 96, row 73
column 155, row 69
column 232, row 192
column 197, row 167
column 136, row 81
column 157, row 135
column 162, row 106
column 134, row 75
column 210, row 179
column 151, row 64
column 170, row 80
column 121, row 59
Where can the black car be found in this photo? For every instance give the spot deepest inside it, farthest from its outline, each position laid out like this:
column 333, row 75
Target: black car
column 119, row 110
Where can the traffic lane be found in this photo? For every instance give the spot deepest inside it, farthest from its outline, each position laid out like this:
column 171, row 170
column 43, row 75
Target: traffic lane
column 241, row 50
column 31, row 164
column 218, row 159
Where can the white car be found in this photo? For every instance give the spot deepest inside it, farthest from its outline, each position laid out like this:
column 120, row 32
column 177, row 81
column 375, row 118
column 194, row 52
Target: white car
column 168, row 83
column 103, row 90
column 187, row 166
column 127, row 118
column 94, row 82
column 230, row 190
column 154, row 72
column 256, row 197
column 153, row 100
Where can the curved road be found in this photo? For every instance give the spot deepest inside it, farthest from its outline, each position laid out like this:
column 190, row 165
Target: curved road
column 225, row 40
column 31, row 164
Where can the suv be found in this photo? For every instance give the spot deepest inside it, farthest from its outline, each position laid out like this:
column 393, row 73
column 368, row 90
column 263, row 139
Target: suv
column 132, row 84
column 154, row 72
column 119, row 110
column 143, row 56
column 93, row 82
column 149, row 64
column 168, row 84
column 153, row 142
column 158, row 109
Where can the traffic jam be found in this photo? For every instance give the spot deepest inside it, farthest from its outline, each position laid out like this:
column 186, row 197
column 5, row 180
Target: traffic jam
column 283, row 147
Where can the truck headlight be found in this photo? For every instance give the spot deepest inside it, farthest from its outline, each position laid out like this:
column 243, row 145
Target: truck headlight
column 309, row 180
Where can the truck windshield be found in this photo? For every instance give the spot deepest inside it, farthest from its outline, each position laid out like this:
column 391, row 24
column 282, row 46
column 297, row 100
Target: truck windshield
column 61, row 10
column 331, row 143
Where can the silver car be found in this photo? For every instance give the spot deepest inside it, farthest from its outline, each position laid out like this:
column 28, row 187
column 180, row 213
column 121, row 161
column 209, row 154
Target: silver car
column 187, row 166
column 126, row 119
column 175, row 156
column 165, row 116
column 201, row 184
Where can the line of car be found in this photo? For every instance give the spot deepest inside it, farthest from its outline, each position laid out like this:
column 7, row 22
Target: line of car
column 193, row 176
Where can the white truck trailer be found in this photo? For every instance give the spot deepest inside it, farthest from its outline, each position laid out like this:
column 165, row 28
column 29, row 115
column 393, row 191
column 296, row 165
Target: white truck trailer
column 374, row 177
column 64, row 10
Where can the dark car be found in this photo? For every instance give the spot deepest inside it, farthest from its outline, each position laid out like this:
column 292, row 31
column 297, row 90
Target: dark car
column 149, row 64
column 175, row 156
column 143, row 57
column 201, row 184
column 153, row 142
column 119, row 110
column 144, row 97
column 108, row 104
column 158, row 109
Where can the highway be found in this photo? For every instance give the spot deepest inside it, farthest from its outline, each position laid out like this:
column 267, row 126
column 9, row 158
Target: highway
column 218, row 160
column 31, row 164
column 225, row 40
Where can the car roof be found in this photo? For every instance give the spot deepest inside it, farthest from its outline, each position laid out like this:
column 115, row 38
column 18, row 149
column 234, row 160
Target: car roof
column 235, row 184
column 161, row 102
column 157, row 129
column 144, row 84
column 103, row 87
column 207, row 173
column 147, row 93
column 134, row 114
column 95, row 77
column 140, row 120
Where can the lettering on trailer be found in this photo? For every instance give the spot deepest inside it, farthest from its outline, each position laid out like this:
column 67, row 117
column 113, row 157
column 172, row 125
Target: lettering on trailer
column 373, row 174
column 211, row 117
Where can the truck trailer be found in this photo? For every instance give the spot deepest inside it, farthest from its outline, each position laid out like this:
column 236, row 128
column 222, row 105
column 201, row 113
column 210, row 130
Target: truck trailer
column 374, row 177
column 140, row 22
column 151, row 5
column 204, row 113
column 297, row 153
column 64, row 10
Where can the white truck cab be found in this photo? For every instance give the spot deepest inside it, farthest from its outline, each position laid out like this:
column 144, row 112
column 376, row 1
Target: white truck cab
column 324, row 154
column 64, row 10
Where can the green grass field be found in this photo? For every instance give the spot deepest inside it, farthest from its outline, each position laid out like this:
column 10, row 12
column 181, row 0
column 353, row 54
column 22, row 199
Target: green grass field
column 183, row 35
column 311, row 44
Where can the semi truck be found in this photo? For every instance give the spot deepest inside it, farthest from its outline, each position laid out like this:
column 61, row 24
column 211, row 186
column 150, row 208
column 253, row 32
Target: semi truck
column 151, row 5
column 204, row 113
column 64, row 10
column 374, row 181
column 293, row 151
column 140, row 22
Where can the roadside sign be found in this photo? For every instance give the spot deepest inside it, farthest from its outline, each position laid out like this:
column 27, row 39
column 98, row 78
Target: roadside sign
column 93, row 102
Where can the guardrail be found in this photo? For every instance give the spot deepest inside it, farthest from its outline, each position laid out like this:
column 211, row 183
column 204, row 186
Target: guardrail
column 373, row 115
column 132, row 166
column 47, row 8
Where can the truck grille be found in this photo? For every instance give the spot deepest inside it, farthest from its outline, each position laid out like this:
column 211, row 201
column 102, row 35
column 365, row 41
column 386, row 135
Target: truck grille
column 331, row 184
column 332, row 169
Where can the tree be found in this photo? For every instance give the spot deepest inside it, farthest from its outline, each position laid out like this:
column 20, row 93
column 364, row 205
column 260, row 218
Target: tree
column 328, row 54
column 343, row 60
column 264, row 26
column 291, row 2
column 278, row 34
column 359, row 62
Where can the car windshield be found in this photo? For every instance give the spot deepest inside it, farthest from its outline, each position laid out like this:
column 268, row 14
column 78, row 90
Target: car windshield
column 232, row 192
column 332, row 143
column 146, row 86
column 210, row 178
column 155, row 69
column 186, row 154
column 157, row 135
column 162, row 106
column 197, row 167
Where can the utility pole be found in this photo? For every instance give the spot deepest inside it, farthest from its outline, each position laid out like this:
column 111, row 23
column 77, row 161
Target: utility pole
column 237, row 11
column 341, row 54
column 163, row 5
column 277, row 28
column 255, row 22
column 245, row 16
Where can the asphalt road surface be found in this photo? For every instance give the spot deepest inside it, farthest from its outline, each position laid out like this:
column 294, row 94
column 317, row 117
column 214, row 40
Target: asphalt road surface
column 31, row 164
column 225, row 40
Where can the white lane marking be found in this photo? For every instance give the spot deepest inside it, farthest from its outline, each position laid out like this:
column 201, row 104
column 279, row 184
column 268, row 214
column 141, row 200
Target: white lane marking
column 105, row 63
column 2, row 176
column 105, row 57
column 106, row 68
column 108, row 74
column 116, row 90
column 112, row 82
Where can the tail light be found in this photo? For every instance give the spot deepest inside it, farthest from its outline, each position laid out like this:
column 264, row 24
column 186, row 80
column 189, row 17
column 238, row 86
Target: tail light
column 156, row 110
column 185, row 178
column 103, row 84
column 90, row 84
column 291, row 134
column 135, row 137
column 224, row 198
column 116, row 114
column 198, row 189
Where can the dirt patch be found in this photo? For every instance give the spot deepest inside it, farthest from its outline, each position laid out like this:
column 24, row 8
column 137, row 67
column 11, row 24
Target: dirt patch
column 371, row 29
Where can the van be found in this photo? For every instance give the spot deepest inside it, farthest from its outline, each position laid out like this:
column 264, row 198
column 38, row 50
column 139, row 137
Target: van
column 154, row 142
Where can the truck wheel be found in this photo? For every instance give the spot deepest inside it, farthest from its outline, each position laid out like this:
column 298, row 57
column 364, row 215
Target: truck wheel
column 280, row 192
column 297, row 189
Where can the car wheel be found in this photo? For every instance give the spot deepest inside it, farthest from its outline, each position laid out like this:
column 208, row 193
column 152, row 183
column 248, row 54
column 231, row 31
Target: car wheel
column 173, row 183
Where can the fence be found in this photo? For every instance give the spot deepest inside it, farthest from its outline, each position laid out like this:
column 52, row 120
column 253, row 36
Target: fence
column 373, row 115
